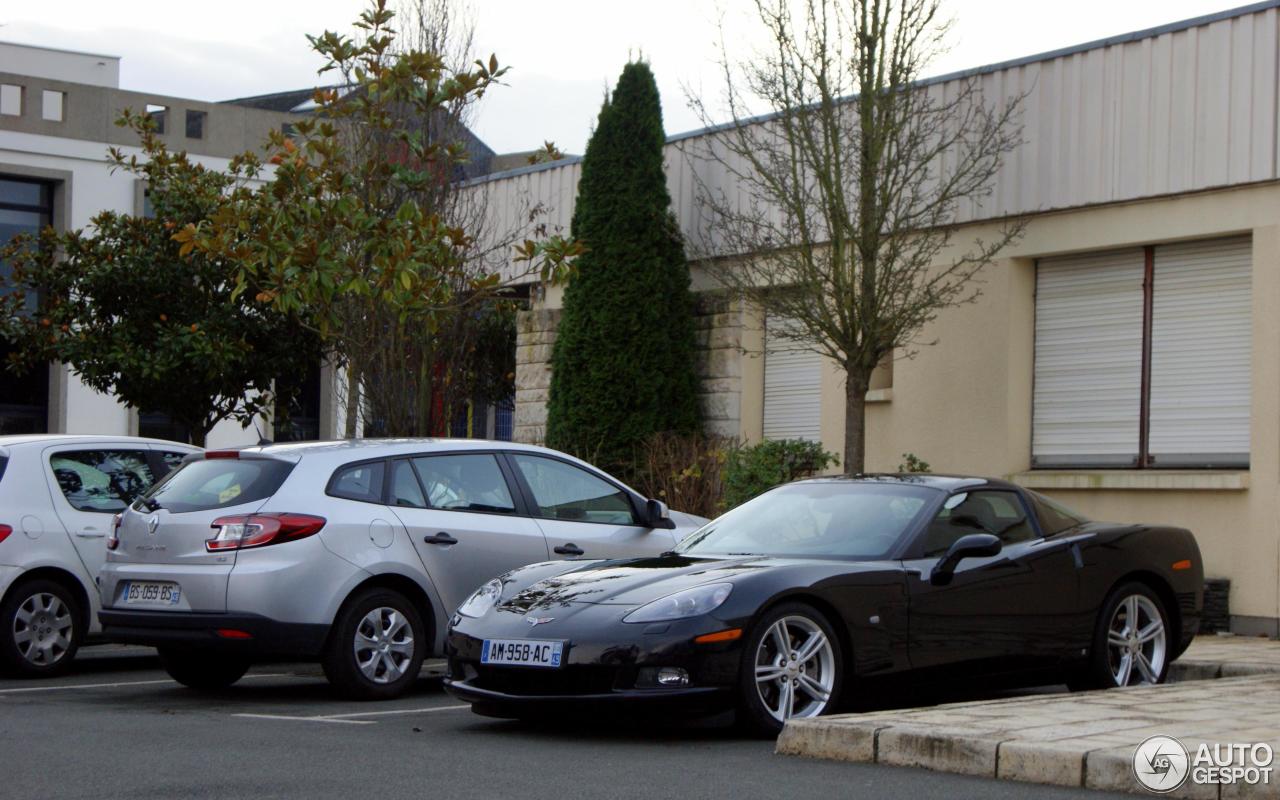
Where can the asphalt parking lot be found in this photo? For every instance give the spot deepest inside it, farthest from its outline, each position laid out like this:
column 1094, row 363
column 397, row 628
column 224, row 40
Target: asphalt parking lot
column 118, row 727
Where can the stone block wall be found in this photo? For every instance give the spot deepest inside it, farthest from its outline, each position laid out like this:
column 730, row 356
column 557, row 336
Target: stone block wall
column 535, row 333
column 718, row 329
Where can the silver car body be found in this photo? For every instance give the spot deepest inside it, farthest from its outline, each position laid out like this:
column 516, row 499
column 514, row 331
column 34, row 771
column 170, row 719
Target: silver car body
column 288, row 594
column 59, row 530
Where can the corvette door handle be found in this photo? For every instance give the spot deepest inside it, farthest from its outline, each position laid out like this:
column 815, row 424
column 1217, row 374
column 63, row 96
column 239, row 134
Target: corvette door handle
column 440, row 538
column 569, row 549
column 91, row 534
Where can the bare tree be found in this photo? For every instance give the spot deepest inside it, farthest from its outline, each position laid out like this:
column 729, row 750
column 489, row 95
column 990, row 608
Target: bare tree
column 841, row 209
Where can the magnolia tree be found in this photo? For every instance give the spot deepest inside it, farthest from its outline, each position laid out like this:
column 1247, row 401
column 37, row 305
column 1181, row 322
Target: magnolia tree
column 136, row 314
column 852, row 183
column 350, row 221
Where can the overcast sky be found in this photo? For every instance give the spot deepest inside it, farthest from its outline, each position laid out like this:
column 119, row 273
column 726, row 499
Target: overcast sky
column 563, row 53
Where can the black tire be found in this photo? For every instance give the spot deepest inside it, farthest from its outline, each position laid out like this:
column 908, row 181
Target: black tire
column 1097, row 672
column 340, row 662
column 753, row 715
column 41, row 627
column 203, row 669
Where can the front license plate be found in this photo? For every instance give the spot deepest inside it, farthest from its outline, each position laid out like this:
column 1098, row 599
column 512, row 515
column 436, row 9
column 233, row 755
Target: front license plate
column 521, row 652
column 151, row 593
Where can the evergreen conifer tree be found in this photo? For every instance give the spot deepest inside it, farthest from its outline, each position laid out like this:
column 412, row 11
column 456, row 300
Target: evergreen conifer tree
column 623, row 359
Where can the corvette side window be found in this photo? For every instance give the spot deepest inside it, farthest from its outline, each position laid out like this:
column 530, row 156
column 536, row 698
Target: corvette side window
column 998, row 513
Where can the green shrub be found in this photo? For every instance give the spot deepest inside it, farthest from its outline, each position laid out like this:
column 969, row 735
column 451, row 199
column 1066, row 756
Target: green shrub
column 755, row 469
column 685, row 471
column 913, row 463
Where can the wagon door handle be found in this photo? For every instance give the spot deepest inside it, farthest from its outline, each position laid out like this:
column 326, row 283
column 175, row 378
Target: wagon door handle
column 91, row 534
column 440, row 538
column 569, row 549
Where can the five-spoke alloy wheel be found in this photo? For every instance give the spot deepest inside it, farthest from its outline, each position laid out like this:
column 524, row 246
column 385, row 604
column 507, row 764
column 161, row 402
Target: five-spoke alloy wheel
column 40, row 629
column 791, row 668
column 1132, row 644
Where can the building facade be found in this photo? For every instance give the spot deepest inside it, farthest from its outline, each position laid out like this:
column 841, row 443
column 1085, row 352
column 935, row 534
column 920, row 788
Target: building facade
column 1124, row 356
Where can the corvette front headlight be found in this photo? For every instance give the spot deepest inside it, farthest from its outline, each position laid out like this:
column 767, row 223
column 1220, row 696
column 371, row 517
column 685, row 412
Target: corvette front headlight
column 485, row 598
column 689, row 603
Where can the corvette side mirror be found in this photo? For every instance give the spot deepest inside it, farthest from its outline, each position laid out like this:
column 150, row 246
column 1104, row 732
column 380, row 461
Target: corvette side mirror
column 975, row 545
column 657, row 515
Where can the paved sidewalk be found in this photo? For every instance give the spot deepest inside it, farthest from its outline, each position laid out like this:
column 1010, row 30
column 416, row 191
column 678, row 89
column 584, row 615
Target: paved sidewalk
column 1086, row 739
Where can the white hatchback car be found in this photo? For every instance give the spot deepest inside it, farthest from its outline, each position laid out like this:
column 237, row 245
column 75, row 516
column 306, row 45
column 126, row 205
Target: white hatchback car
column 58, row 495
column 353, row 553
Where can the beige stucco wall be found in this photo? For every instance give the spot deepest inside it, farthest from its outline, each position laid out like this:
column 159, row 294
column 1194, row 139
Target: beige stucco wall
column 964, row 403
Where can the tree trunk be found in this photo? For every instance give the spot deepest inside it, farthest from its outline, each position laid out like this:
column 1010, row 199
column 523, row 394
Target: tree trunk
column 855, row 421
column 353, row 400
column 199, row 435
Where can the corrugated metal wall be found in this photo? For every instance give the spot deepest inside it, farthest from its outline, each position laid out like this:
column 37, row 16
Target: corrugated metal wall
column 1176, row 111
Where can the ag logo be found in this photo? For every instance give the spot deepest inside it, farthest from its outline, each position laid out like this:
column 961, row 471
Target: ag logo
column 1161, row 764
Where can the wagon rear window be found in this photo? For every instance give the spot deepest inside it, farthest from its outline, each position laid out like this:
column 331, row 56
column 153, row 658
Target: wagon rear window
column 219, row 483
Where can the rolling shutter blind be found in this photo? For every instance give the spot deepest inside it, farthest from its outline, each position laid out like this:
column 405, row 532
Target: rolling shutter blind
column 792, row 387
column 1200, row 353
column 1088, row 360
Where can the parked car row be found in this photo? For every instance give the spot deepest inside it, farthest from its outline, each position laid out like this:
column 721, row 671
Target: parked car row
column 550, row 585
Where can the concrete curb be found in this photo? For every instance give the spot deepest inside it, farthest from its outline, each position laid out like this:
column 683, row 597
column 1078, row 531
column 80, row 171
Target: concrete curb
column 1083, row 741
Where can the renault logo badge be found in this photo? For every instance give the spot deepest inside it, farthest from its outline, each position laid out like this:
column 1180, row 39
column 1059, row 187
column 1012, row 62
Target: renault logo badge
column 153, row 523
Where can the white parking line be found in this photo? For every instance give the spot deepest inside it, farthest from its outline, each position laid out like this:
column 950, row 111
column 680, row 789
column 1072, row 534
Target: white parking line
column 306, row 719
column 127, row 683
column 396, row 711
column 348, row 718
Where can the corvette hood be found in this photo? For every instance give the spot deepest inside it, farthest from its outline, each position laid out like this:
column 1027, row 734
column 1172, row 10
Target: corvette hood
column 629, row 583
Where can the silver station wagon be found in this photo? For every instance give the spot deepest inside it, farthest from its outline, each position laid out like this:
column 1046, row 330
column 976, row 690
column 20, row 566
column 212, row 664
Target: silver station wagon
column 352, row 553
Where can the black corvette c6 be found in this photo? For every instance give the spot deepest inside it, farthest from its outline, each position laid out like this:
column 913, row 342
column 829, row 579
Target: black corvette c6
column 778, row 607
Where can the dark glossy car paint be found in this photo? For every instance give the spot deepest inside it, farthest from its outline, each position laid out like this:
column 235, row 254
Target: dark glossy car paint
column 1030, row 609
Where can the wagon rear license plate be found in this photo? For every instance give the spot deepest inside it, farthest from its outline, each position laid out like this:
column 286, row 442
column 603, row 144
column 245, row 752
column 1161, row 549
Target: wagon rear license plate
column 521, row 652
column 151, row 593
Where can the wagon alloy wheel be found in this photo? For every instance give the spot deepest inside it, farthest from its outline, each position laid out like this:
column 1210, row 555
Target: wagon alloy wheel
column 795, row 668
column 383, row 645
column 1137, row 643
column 376, row 645
column 42, row 629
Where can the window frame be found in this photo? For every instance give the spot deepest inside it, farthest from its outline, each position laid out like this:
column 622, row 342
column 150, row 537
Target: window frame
column 1143, row 460
column 535, row 511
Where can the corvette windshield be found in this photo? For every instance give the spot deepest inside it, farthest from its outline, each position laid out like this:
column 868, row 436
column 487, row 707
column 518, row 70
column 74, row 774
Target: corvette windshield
column 838, row 519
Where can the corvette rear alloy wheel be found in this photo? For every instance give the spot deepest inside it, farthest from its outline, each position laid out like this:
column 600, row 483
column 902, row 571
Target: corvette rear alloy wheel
column 791, row 668
column 1131, row 645
column 376, row 647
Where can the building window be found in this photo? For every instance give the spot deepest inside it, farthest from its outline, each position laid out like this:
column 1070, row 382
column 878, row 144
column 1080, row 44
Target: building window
column 300, row 422
column 10, row 100
column 1142, row 357
column 159, row 115
column 51, row 106
column 195, row 124
column 159, row 425
column 25, row 208
column 792, row 385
